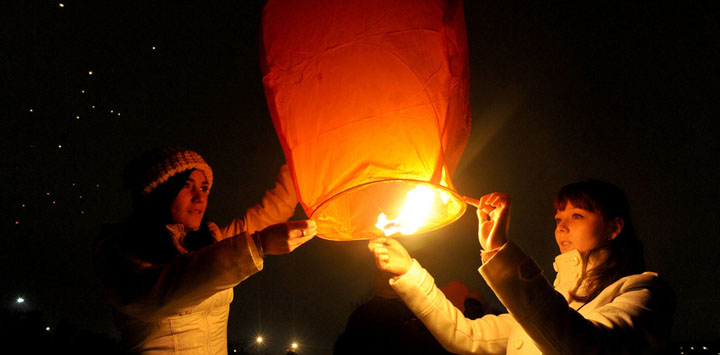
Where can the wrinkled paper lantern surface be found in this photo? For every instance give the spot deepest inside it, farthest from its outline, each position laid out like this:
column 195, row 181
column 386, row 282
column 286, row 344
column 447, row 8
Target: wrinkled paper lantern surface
column 369, row 100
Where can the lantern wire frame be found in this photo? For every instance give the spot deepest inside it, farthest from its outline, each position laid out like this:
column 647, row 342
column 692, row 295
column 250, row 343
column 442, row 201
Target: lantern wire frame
column 352, row 214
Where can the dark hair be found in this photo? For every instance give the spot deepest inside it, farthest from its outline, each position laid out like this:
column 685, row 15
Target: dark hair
column 625, row 252
column 155, row 207
column 474, row 308
column 152, row 214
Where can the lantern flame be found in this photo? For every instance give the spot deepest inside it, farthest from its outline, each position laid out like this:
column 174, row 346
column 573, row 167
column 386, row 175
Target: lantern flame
column 418, row 204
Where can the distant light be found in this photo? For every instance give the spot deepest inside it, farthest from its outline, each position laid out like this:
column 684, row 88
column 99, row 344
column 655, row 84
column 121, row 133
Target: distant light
column 93, row 106
column 30, row 110
column 82, row 91
column 97, row 186
column 59, row 145
column 47, row 328
column 17, row 222
column 47, row 193
column 23, row 205
column 259, row 339
column 118, row 113
column 20, row 300
column 294, row 345
column 90, row 72
column 153, row 47
column 77, row 117
column 61, row 4
column 53, row 202
column 234, row 350
column 82, row 212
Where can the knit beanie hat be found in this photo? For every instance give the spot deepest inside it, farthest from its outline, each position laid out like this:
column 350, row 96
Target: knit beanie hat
column 156, row 166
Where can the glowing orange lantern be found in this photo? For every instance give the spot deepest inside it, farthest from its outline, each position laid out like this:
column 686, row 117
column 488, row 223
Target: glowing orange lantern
column 370, row 102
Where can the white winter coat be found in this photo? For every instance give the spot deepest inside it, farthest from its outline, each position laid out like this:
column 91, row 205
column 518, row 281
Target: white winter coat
column 631, row 316
column 182, row 307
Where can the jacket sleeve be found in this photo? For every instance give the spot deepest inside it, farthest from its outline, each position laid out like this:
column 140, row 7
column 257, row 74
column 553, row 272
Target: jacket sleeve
column 277, row 206
column 637, row 320
column 152, row 291
column 457, row 334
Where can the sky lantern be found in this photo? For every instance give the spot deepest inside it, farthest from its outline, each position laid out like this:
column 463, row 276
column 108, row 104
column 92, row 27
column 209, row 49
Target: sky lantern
column 370, row 101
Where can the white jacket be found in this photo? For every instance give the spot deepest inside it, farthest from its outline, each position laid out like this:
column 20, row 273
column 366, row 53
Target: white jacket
column 182, row 307
column 631, row 316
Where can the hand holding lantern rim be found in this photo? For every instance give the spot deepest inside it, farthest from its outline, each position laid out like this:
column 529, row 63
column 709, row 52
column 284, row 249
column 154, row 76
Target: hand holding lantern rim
column 493, row 211
column 282, row 238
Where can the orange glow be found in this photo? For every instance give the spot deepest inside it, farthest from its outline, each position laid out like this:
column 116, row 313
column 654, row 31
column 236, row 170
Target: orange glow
column 414, row 212
column 369, row 99
column 386, row 208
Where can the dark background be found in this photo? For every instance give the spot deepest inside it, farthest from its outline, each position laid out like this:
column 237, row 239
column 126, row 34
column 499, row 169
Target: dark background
column 620, row 91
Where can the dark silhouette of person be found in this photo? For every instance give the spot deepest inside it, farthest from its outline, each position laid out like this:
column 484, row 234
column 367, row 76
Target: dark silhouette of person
column 385, row 325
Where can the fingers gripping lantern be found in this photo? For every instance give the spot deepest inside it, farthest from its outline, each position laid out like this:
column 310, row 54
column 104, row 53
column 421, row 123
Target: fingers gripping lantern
column 370, row 102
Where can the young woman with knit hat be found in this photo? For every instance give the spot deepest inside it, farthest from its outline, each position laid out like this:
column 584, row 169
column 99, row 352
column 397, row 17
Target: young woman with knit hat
column 602, row 301
column 167, row 272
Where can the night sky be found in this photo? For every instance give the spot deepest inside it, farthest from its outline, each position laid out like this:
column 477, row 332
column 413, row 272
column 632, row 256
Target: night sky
column 623, row 92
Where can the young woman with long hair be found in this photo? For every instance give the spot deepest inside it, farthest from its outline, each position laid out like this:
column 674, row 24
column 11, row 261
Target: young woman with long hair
column 601, row 302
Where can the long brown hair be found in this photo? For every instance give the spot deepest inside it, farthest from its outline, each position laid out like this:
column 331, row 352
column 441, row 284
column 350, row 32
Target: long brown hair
column 625, row 252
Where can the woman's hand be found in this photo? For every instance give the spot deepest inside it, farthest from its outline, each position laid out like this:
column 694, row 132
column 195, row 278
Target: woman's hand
column 390, row 255
column 283, row 238
column 494, row 217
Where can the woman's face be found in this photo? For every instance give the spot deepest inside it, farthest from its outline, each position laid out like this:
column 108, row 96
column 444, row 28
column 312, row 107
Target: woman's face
column 189, row 205
column 576, row 228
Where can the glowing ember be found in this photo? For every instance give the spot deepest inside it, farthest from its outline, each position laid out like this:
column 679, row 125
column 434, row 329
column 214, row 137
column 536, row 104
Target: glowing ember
column 418, row 204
